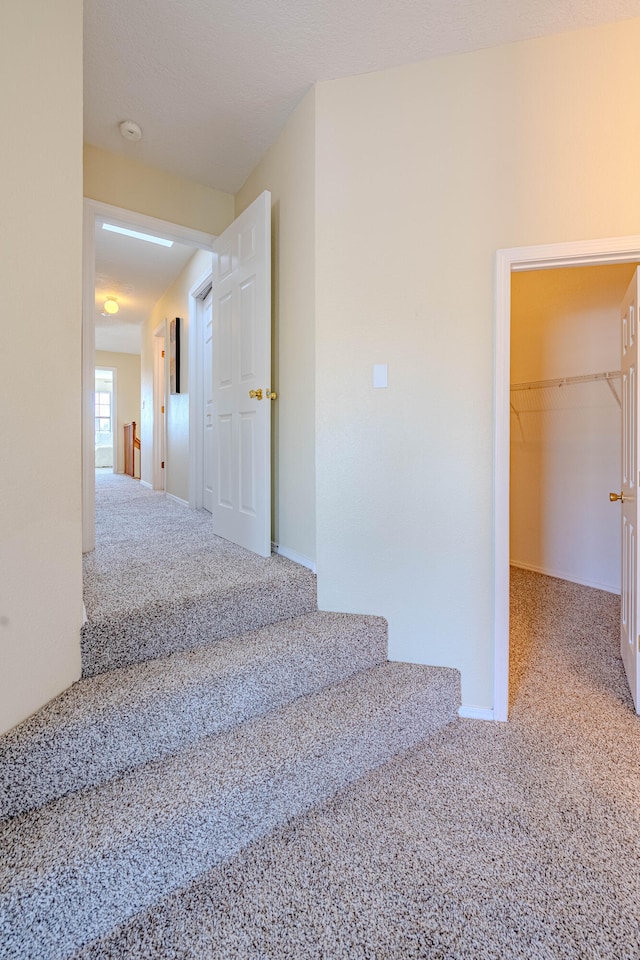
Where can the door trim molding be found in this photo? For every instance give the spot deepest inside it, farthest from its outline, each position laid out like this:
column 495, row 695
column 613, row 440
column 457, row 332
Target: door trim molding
column 196, row 391
column 88, row 381
column 94, row 210
column 508, row 261
column 121, row 217
column 159, row 432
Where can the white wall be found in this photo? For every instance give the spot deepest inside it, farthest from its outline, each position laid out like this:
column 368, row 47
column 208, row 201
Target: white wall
column 565, row 442
column 288, row 171
column 422, row 173
column 127, row 366
column 40, row 496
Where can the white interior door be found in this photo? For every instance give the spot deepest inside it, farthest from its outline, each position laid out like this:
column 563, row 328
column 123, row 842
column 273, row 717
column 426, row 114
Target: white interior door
column 630, row 542
column 208, row 419
column 241, row 298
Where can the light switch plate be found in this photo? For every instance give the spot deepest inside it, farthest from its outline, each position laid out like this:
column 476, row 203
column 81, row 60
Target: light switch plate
column 380, row 375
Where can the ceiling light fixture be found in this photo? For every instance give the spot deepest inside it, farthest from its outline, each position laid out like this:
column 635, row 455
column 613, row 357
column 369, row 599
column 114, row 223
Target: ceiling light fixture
column 138, row 236
column 111, row 306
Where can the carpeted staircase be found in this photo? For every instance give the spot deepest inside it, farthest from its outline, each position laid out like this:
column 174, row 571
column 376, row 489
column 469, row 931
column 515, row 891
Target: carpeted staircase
column 216, row 705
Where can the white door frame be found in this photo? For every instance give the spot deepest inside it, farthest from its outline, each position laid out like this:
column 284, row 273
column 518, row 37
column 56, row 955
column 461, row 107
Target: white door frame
column 508, row 261
column 96, row 211
column 159, row 451
column 196, row 392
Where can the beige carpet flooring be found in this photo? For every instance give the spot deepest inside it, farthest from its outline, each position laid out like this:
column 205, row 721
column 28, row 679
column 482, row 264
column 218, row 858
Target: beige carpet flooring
column 160, row 581
column 138, row 781
column 488, row 842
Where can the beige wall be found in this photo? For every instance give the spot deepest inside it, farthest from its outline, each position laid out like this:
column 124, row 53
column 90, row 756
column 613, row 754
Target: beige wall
column 173, row 303
column 422, row 173
column 127, row 183
column 565, row 442
column 127, row 366
column 40, row 515
column 288, row 171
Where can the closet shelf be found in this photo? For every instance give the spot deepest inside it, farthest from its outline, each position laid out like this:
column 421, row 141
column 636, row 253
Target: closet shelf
column 609, row 377
column 566, row 381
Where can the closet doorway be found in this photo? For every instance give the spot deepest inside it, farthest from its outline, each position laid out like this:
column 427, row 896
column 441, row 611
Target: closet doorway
column 557, row 472
column 565, row 422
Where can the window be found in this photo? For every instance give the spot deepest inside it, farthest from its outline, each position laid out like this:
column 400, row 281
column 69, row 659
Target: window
column 103, row 412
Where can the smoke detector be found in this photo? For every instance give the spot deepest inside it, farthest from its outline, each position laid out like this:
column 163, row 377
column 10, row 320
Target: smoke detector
column 130, row 130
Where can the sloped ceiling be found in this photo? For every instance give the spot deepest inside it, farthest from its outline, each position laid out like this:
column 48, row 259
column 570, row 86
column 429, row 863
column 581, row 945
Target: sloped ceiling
column 212, row 82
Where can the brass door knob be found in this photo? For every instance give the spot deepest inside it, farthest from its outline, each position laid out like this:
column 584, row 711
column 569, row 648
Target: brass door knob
column 272, row 395
column 616, row 496
column 256, row 394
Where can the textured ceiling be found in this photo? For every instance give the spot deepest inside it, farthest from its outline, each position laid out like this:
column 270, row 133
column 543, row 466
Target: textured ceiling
column 212, row 82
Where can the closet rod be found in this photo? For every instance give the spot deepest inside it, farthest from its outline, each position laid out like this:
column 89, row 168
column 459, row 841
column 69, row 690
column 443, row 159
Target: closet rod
column 565, row 381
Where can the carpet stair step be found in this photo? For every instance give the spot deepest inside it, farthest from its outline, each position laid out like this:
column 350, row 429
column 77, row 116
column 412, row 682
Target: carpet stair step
column 109, row 723
column 152, row 621
column 79, row 866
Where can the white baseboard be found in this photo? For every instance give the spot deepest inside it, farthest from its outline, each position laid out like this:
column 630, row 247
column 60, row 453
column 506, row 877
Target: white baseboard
column 172, row 496
column 475, row 713
column 145, row 483
column 292, row 555
column 562, row 575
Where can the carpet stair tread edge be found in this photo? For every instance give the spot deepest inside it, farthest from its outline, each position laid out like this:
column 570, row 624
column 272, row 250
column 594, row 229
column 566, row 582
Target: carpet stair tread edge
column 170, row 626
column 79, row 866
column 108, row 723
column 113, row 638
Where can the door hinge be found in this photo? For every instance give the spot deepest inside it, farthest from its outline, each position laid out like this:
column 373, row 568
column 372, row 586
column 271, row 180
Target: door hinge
column 163, row 354
column 162, row 465
column 162, row 408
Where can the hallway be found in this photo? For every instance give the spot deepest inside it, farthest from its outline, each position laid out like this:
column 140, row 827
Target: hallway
column 158, row 569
